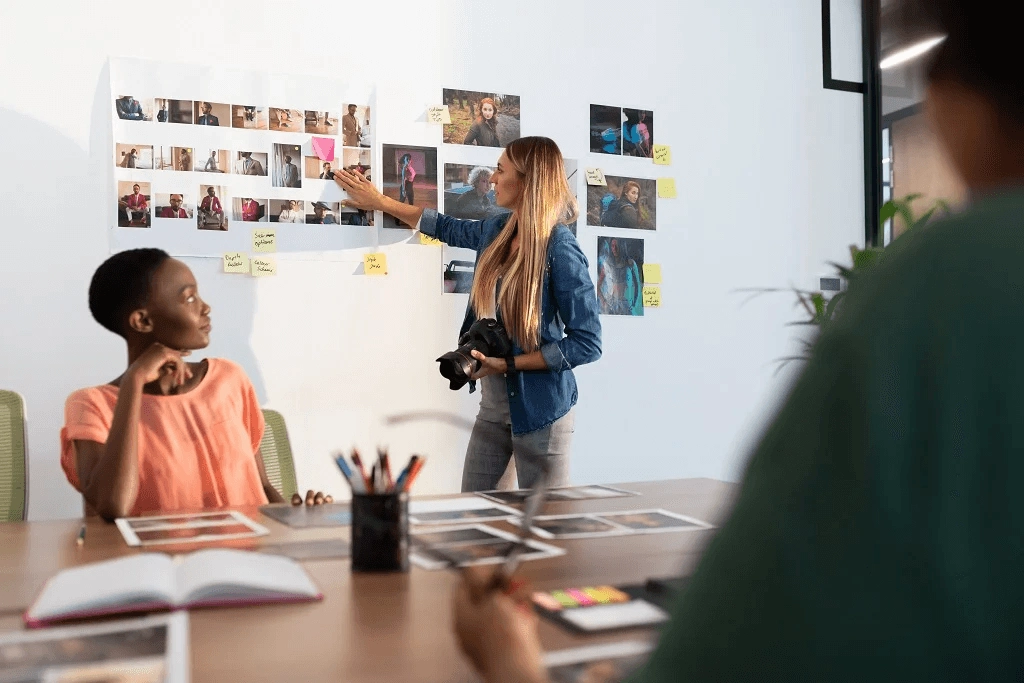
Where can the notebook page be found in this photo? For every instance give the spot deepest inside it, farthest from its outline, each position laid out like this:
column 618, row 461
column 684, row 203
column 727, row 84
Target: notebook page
column 147, row 577
column 236, row 574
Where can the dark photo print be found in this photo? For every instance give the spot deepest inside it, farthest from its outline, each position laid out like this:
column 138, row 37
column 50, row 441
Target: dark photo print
column 605, row 129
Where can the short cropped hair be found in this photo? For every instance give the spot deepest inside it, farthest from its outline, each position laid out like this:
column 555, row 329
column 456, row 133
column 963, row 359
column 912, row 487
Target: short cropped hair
column 478, row 171
column 981, row 49
column 121, row 285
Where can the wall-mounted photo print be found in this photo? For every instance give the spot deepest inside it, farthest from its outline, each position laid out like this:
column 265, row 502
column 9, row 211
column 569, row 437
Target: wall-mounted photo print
column 481, row 118
column 285, row 169
column 357, row 160
column 133, row 202
column 163, row 158
column 249, row 210
column 468, row 191
column 250, row 163
column 209, row 160
column 624, row 203
column 130, row 109
column 410, row 176
column 174, row 206
column 322, row 213
column 314, row 169
column 355, row 125
column 182, row 157
column 321, row 122
column 637, row 133
column 287, row 120
column 605, row 129
column 350, row 216
column 620, row 281
column 459, row 267
column 211, row 114
column 133, row 156
column 248, row 116
column 179, row 111
column 211, row 214
column 286, row 211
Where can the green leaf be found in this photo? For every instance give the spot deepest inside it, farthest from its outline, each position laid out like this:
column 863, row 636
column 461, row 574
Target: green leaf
column 887, row 212
column 830, row 311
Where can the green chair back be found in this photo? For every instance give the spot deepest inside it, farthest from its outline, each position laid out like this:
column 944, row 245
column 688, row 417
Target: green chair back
column 276, row 451
column 13, row 458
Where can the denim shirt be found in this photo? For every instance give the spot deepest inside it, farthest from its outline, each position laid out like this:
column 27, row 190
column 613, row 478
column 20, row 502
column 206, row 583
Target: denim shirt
column 570, row 327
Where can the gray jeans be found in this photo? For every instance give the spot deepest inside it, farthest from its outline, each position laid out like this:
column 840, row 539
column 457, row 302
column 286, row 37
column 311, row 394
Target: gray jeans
column 492, row 445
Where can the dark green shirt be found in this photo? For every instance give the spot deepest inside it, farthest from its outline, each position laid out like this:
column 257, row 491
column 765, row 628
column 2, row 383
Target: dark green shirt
column 879, row 530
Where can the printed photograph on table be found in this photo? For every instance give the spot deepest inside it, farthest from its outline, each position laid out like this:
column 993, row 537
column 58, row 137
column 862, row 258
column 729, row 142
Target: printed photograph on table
column 303, row 516
column 211, row 213
column 357, row 160
column 287, row 120
column 179, row 111
column 211, row 114
column 605, row 129
column 355, row 125
column 316, row 169
column 479, row 118
column 468, row 192
column 248, row 116
column 133, row 156
column 129, row 108
column 200, row 526
column 587, row 492
column 322, row 213
column 174, row 206
column 208, row 160
column 620, row 282
column 284, row 165
column 321, row 122
column 249, row 210
column 469, row 545
column 133, row 204
column 649, row 521
column 637, row 133
column 148, row 650
column 286, row 211
column 182, row 158
column 250, row 163
column 626, row 202
column 410, row 176
column 575, row 526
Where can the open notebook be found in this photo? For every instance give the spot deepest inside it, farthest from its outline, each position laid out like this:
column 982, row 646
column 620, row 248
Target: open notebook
column 154, row 581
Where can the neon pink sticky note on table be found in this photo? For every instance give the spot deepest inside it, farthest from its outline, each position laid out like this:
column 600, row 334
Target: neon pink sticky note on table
column 324, row 148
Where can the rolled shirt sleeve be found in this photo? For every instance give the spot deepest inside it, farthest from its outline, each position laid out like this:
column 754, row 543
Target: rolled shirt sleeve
column 454, row 232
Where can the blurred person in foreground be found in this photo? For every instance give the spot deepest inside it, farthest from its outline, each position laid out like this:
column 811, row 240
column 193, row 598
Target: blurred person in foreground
column 879, row 529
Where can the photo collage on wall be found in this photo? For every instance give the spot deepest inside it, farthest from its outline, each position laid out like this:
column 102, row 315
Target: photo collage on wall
column 232, row 156
column 625, row 202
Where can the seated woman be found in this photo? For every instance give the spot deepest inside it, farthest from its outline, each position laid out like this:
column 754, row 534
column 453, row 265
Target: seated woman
column 167, row 435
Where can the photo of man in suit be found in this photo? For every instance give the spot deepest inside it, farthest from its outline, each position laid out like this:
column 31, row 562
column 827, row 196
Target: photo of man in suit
column 207, row 118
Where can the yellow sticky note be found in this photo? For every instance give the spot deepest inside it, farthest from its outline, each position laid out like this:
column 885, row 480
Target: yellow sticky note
column 652, row 273
column 438, row 113
column 667, row 188
column 262, row 266
column 236, row 262
column 375, row 264
column 428, row 240
column 264, row 240
column 662, row 155
column 595, row 176
column 652, row 296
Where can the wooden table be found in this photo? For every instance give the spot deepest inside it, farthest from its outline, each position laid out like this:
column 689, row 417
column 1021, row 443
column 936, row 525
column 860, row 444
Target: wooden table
column 386, row 627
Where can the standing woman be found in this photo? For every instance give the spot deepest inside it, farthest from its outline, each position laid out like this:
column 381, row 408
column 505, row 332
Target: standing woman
column 408, row 174
column 532, row 273
column 485, row 129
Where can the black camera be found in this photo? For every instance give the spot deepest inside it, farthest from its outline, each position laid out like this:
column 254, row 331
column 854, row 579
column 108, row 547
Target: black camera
column 486, row 336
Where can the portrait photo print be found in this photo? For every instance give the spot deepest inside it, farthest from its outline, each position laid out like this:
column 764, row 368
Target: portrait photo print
column 285, row 162
column 174, row 205
column 626, row 202
column 249, row 210
column 637, row 133
column 410, row 176
column 211, row 114
column 481, row 118
column 133, row 156
column 212, row 211
column 133, row 204
column 355, row 125
column 620, row 275
column 129, row 108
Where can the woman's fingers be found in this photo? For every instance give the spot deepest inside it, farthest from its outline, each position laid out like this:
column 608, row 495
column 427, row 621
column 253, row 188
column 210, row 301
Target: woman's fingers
column 318, row 499
column 309, row 497
column 296, row 499
column 328, row 498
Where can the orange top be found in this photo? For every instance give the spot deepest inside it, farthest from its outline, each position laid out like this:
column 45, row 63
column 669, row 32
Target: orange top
column 196, row 450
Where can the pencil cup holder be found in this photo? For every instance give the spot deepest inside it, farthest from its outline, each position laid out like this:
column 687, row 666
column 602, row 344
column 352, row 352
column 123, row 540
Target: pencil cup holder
column 380, row 532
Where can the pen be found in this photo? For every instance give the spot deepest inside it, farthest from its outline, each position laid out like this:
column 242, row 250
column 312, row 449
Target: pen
column 413, row 472
column 404, row 474
column 80, row 541
column 358, row 462
column 355, row 484
column 385, row 466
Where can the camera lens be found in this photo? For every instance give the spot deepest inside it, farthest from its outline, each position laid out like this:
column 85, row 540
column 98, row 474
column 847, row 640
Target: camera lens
column 456, row 367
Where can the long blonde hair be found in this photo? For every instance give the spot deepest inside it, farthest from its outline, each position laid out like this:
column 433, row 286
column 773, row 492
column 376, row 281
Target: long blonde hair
column 546, row 201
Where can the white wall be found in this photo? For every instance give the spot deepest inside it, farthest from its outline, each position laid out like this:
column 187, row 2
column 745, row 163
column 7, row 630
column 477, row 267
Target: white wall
column 767, row 162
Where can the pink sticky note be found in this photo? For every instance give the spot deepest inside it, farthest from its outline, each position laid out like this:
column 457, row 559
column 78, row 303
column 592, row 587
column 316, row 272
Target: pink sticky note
column 324, row 148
